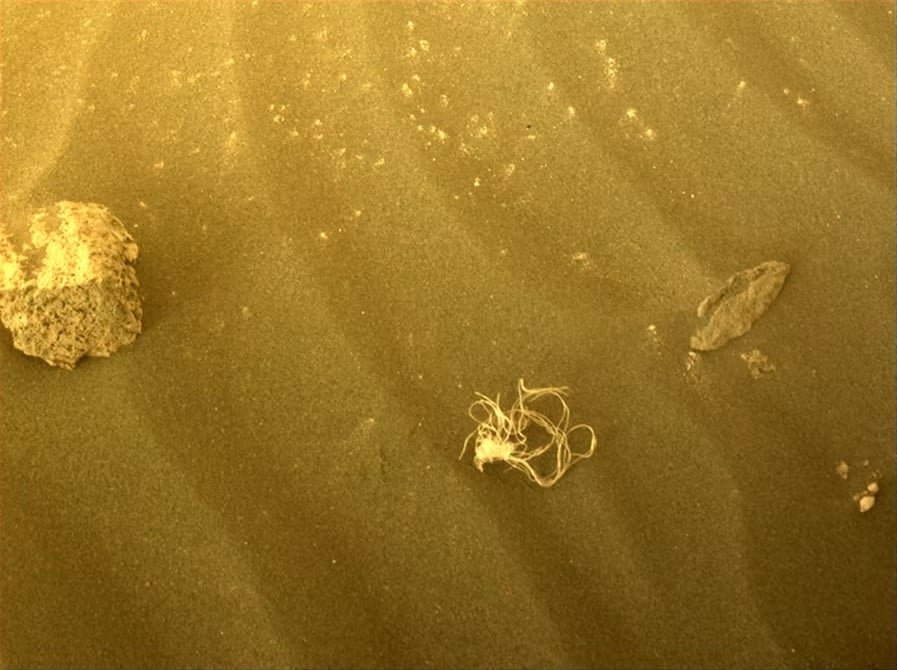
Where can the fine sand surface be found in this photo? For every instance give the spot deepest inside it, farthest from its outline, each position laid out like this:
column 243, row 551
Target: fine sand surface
column 351, row 218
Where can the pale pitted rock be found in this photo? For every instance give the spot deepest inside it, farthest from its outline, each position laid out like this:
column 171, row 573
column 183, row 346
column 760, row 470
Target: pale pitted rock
column 68, row 287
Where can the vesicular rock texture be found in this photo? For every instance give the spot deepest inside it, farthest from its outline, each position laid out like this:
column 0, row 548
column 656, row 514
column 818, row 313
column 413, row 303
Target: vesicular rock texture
column 67, row 285
column 734, row 306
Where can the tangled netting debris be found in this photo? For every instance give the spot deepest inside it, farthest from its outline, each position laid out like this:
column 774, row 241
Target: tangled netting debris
column 532, row 436
column 68, row 288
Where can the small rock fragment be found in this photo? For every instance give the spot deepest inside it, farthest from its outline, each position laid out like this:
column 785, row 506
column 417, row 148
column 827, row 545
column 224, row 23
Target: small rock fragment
column 758, row 363
column 866, row 499
column 842, row 469
column 866, row 503
column 67, row 284
column 732, row 309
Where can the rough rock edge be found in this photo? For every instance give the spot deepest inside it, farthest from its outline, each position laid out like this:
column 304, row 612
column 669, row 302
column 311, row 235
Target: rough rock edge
column 733, row 308
column 70, row 289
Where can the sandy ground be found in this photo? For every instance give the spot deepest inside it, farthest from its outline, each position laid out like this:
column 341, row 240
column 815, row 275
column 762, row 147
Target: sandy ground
column 354, row 217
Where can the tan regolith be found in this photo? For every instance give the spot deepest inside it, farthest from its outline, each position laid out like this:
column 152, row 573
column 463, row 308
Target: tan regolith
column 68, row 288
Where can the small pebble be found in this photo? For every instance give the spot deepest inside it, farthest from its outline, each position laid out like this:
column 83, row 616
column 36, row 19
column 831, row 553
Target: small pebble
column 842, row 470
column 866, row 503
